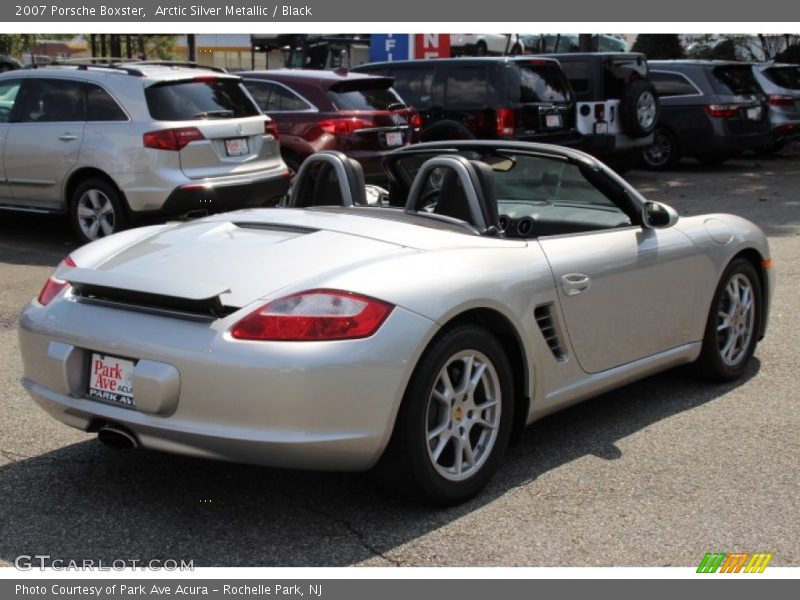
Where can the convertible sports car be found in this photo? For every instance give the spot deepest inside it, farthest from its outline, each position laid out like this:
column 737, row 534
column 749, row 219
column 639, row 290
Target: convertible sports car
column 415, row 330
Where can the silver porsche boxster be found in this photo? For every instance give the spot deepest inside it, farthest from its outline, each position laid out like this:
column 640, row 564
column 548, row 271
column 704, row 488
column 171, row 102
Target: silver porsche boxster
column 413, row 330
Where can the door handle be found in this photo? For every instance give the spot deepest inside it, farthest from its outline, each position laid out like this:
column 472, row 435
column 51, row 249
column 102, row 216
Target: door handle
column 67, row 137
column 575, row 283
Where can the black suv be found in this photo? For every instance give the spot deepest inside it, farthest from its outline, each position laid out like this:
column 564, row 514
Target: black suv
column 616, row 102
column 710, row 110
column 519, row 98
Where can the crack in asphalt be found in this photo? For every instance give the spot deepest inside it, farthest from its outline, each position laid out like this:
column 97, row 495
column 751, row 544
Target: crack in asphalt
column 362, row 539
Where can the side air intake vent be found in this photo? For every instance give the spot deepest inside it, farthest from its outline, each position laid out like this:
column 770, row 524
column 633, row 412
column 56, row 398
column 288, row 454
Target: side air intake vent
column 547, row 324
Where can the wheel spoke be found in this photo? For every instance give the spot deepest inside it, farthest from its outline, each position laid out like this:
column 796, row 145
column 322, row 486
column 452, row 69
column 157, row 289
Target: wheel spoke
column 440, row 446
column 84, row 212
column 469, row 453
column 438, row 430
column 476, row 378
column 92, row 230
column 458, row 464
column 106, row 226
column 466, row 376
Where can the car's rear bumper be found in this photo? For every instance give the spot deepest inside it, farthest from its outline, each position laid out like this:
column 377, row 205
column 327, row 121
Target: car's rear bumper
column 219, row 196
column 323, row 405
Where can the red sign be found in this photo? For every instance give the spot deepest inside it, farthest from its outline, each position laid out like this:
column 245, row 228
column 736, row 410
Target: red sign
column 432, row 45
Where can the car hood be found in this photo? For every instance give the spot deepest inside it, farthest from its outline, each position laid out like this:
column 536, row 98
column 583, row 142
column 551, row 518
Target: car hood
column 244, row 256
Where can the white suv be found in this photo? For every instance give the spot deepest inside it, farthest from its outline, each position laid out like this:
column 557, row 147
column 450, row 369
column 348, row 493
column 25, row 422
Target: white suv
column 109, row 144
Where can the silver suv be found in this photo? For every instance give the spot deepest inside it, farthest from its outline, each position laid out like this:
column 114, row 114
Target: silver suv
column 108, row 145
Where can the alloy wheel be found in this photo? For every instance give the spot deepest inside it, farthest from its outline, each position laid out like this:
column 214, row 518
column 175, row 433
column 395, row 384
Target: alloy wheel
column 96, row 215
column 735, row 320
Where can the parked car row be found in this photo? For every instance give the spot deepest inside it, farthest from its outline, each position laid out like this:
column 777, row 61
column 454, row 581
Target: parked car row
column 110, row 144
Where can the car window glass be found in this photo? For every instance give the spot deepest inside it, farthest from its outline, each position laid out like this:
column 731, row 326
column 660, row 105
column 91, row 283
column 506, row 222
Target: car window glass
column 365, row 96
column 735, row 80
column 52, row 100
column 787, row 77
column 272, row 97
column 542, row 83
column 261, row 91
column 414, row 86
column 672, row 84
column 100, row 106
column 466, row 86
column 200, row 98
column 580, row 76
column 9, row 90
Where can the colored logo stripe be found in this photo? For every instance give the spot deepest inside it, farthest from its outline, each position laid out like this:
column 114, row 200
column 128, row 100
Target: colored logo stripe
column 734, row 562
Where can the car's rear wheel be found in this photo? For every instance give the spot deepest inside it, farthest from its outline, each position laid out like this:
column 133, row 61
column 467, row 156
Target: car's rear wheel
column 733, row 323
column 455, row 420
column 663, row 153
column 97, row 210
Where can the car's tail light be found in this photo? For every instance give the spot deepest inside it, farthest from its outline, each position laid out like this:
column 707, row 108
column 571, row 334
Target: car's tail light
column 505, row 122
column 271, row 128
column 414, row 119
column 206, row 79
column 723, row 111
column 172, row 139
column 599, row 111
column 54, row 286
column 778, row 100
column 315, row 315
column 345, row 126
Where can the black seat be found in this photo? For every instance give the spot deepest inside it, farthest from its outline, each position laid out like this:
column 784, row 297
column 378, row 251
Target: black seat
column 453, row 199
column 489, row 200
column 319, row 180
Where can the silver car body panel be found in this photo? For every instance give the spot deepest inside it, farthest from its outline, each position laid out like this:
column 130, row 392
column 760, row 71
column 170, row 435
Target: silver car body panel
column 332, row 405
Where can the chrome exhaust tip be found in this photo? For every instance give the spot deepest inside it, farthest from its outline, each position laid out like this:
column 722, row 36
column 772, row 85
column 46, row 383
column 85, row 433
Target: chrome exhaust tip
column 116, row 437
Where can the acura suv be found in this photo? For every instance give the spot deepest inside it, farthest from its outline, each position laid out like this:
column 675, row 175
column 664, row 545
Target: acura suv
column 359, row 115
column 109, row 144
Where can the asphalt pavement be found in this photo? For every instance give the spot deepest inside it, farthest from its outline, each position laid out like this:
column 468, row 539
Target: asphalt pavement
column 655, row 474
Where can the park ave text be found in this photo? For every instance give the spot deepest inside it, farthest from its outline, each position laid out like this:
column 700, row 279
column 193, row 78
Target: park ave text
column 164, row 11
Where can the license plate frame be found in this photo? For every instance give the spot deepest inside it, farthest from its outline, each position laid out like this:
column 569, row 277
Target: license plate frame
column 237, row 146
column 754, row 113
column 552, row 120
column 110, row 380
column 394, row 138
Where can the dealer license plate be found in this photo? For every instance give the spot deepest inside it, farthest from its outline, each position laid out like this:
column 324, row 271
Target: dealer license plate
column 552, row 120
column 394, row 138
column 237, row 147
column 111, row 380
column 754, row 113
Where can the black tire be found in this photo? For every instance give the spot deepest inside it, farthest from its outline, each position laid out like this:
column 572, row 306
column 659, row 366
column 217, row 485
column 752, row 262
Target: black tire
column 664, row 153
column 110, row 212
column 481, row 49
column 770, row 149
column 639, row 108
column 712, row 160
column 408, row 466
column 446, row 130
column 711, row 364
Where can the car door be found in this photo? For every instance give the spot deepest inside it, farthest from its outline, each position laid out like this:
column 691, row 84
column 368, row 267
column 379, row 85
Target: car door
column 625, row 290
column 44, row 142
column 9, row 90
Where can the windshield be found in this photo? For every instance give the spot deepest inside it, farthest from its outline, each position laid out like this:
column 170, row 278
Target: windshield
column 787, row 77
column 367, row 95
column 735, row 80
column 201, row 98
column 542, row 83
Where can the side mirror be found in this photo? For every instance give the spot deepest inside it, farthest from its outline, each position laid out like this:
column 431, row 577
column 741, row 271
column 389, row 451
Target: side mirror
column 658, row 216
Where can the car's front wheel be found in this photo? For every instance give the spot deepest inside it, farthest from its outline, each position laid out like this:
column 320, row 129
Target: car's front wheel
column 96, row 210
column 733, row 323
column 455, row 420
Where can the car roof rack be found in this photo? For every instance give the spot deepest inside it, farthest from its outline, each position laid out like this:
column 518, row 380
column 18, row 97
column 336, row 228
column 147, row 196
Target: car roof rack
column 96, row 62
column 180, row 63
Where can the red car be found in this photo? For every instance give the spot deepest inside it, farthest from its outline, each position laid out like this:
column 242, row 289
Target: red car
column 360, row 115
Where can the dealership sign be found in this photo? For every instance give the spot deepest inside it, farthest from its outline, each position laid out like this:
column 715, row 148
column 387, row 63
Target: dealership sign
column 402, row 46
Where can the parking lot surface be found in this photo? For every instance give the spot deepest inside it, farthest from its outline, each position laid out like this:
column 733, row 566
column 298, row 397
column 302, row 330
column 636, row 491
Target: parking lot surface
column 655, row 474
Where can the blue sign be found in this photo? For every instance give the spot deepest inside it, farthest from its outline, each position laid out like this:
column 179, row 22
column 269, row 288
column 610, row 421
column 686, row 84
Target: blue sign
column 388, row 46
